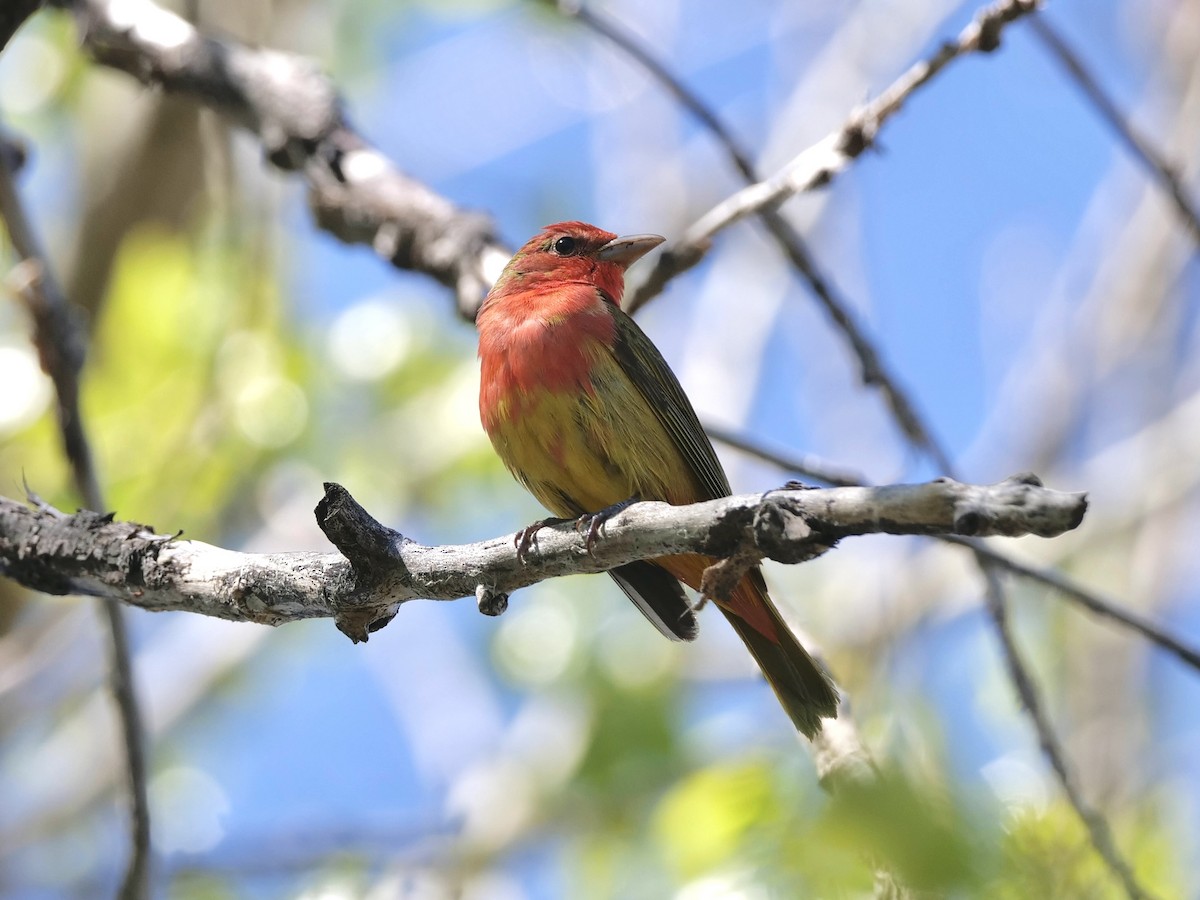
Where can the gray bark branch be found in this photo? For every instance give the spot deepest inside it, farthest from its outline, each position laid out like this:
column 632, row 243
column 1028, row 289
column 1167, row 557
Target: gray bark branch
column 355, row 192
column 378, row 569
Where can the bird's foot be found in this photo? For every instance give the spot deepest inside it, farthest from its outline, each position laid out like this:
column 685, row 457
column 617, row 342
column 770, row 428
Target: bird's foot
column 593, row 522
column 795, row 485
column 524, row 539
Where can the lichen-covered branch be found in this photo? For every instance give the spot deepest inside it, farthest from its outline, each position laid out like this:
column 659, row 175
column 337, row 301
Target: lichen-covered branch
column 355, row 192
column 378, row 568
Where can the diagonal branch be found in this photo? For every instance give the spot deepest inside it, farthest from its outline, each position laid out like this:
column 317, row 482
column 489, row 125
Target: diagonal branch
column 872, row 368
column 379, row 569
column 355, row 192
column 1070, row 589
column 60, row 346
column 1090, row 600
column 821, row 163
column 1027, row 691
column 813, row 168
column 989, row 561
column 1143, row 150
column 805, row 466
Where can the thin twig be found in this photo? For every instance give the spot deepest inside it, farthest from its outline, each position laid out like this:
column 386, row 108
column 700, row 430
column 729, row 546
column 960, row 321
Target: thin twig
column 1069, row 588
column 1143, row 150
column 1093, row 821
column 816, row 167
column 821, row 163
column 60, row 347
column 987, row 560
column 1089, row 600
column 689, row 100
column 807, row 466
column 872, row 369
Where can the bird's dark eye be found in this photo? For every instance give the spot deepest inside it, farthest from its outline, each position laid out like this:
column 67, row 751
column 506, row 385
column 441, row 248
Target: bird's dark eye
column 565, row 246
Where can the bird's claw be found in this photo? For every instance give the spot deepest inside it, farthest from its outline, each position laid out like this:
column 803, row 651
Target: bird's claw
column 593, row 522
column 796, row 485
column 524, row 539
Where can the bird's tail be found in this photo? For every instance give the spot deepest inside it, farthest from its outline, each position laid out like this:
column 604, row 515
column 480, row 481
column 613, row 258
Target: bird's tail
column 802, row 685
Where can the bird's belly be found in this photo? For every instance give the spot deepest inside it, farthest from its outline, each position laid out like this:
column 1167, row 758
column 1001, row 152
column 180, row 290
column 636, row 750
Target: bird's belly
column 580, row 452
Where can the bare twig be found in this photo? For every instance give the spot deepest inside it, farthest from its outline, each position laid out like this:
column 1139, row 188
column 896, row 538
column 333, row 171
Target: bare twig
column 821, row 163
column 1089, row 600
column 378, row 568
column 1070, row 589
column 690, row 101
column 873, row 371
column 805, row 466
column 1143, row 150
column 816, row 167
column 355, row 192
column 60, row 349
column 987, row 560
column 1094, row 822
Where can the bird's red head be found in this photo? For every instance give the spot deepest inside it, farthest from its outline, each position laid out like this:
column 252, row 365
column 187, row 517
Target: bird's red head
column 573, row 252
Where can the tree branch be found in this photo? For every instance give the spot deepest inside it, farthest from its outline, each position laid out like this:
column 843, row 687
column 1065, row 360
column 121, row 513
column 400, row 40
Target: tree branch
column 817, row 167
column 60, row 345
column 821, row 163
column 379, row 568
column 354, row 191
column 1091, row 600
column 1143, row 150
column 1096, row 825
column 872, row 369
column 989, row 561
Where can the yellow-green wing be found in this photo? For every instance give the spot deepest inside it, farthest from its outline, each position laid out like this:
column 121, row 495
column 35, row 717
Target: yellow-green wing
column 646, row 368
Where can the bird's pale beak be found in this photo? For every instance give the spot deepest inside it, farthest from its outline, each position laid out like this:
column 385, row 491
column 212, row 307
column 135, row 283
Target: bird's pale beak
column 625, row 251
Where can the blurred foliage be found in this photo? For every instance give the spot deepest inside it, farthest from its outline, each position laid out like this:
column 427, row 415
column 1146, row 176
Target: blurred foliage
column 1046, row 853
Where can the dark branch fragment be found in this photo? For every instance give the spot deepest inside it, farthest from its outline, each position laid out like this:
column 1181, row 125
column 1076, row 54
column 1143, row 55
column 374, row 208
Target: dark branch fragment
column 373, row 552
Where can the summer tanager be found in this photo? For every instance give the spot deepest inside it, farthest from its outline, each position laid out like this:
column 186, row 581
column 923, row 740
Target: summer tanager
column 586, row 414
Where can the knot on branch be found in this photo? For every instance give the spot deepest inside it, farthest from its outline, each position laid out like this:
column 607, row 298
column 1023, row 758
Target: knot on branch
column 373, row 551
column 992, row 21
column 782, row 533
column 491, row 603
column 858, row 135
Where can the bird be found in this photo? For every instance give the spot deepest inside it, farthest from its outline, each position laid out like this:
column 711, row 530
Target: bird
column 584, row 411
